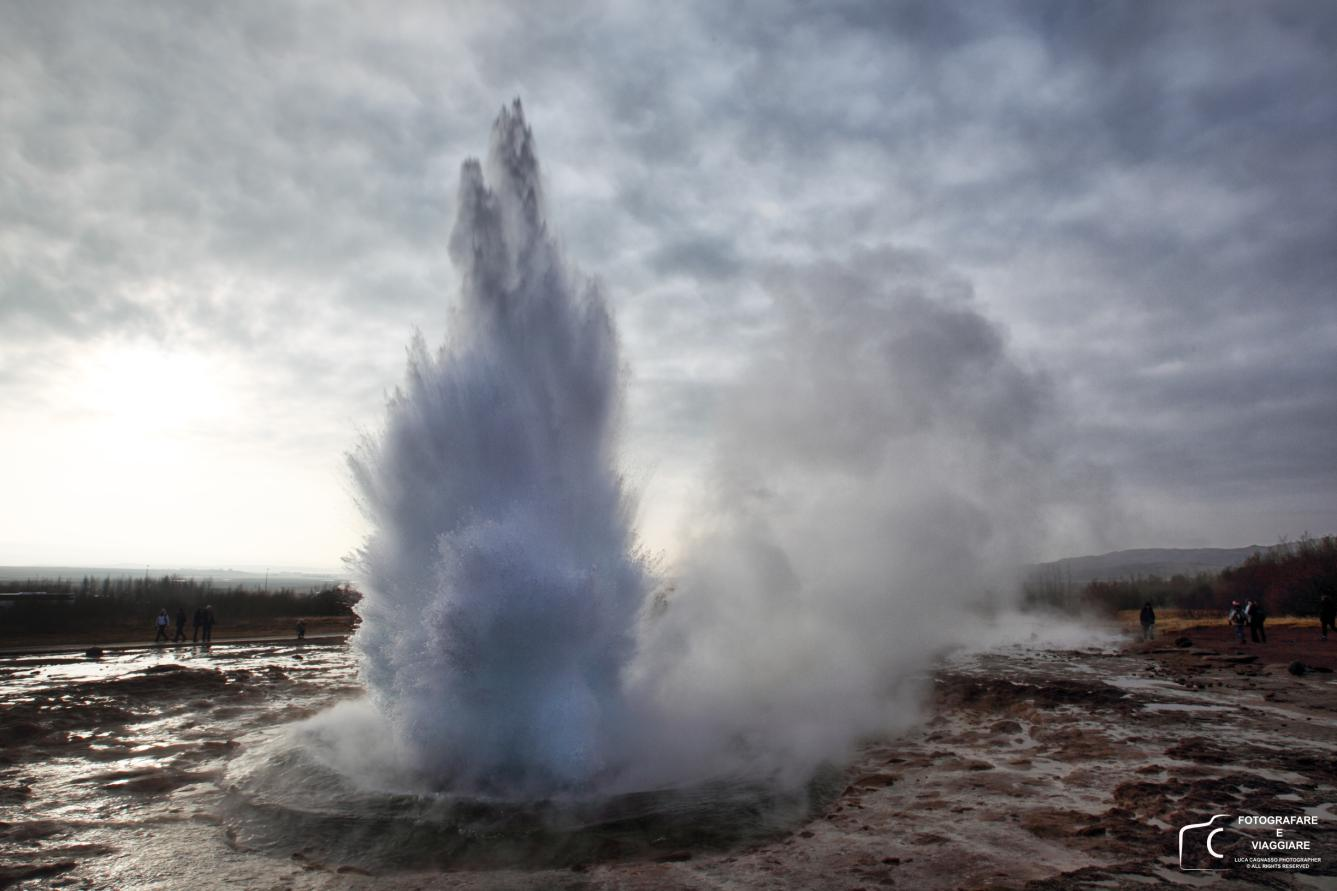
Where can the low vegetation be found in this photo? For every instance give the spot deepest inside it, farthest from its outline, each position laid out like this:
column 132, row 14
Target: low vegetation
column 78, row 606
column 1289, row 580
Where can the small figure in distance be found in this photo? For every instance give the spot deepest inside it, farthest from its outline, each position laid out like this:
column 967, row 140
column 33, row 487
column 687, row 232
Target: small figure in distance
column 1148, row 618
column 1327, row 614
column 180, row 625
column 1236, row 618
column 196, row 624
column 162, row 626
column 208, row 624
column 1257, row 615
column 301, row 629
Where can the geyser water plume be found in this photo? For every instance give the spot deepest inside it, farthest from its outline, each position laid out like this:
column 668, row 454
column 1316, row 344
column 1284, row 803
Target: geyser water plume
column 503, row 584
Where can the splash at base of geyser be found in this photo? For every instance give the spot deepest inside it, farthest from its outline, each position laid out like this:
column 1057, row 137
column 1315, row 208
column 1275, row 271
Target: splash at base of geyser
column 504, row 595
column 294, row 795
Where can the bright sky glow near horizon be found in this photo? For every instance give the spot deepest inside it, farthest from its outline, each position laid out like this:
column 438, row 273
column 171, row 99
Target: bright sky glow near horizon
column 223, row 223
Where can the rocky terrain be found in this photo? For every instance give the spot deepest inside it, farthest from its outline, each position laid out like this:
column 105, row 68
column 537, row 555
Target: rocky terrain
column 1033, row 769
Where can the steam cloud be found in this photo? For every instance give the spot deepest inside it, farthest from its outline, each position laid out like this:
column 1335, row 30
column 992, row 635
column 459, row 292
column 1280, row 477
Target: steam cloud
column 883, row 464
column 883, row 469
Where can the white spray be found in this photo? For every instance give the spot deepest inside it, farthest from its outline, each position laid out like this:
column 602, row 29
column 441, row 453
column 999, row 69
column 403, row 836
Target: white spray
column 502, row 583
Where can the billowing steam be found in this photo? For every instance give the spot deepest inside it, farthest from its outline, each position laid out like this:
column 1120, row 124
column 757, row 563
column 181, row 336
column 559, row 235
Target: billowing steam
column 882, row 469
column 883, row 463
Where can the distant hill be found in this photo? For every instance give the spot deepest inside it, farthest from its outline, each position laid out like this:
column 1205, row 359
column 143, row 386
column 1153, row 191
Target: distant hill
column 1141, row 562
column 278, row 578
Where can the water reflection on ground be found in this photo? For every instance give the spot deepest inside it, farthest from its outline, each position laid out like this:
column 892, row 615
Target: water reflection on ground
column 111, row 769
column 176, row 767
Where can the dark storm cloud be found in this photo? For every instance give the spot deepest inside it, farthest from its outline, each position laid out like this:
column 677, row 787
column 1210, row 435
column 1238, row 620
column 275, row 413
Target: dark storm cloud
column 1141, row 191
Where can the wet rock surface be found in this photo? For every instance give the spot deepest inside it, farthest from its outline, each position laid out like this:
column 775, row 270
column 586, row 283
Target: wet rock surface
column 1031, row 770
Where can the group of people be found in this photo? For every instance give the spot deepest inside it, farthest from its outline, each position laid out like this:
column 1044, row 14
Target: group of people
column 202, row 625
column 1251, row 613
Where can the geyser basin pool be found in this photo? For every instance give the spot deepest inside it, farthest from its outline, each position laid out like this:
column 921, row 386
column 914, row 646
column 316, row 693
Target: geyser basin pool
column 283, row 799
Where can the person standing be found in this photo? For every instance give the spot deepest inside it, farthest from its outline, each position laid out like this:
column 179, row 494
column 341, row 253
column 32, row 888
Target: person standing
column 196, row 624
column 1148, row 619
column 162, row 626
column 1257, row 615
column 1236, row 618
column 208, row 624
column 180, row 625
column 1327, row 615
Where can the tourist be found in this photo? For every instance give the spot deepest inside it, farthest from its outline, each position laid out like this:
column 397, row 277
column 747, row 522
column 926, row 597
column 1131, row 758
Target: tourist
column 180, row 625
column 208, row 624
column 1148, row 621
column 1236, row 618
column 301, row 629
column 1327, row 614
column 1257, row 615
column 196, row 624
column 162, row 626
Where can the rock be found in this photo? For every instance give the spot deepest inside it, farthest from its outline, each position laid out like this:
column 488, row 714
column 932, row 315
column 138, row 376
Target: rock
column 872, row 781
column 1183, row 641
column 1297, row 668
column 14, row 874
column 674, row 857
column 93, row 653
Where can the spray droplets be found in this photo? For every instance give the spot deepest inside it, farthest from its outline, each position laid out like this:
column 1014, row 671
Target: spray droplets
column 503, row 585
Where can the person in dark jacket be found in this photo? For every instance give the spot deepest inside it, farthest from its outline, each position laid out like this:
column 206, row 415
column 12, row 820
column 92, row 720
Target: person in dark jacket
column 1257, row 615
column 1148, row 619
column 197, row 623
column 180, row 625
column 208, row 624
column 1327, row 614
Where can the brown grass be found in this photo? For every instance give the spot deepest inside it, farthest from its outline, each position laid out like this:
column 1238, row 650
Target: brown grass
column 144, row 633
column 1172, row 621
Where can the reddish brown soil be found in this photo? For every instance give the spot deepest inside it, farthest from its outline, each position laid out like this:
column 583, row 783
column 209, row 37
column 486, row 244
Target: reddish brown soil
column 1285, row 644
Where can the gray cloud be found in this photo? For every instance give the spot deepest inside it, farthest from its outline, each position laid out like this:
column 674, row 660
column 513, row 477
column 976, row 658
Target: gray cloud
column 1139, row 191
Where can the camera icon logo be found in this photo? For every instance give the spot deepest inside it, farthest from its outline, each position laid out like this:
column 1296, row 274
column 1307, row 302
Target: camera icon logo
column 1197, row 843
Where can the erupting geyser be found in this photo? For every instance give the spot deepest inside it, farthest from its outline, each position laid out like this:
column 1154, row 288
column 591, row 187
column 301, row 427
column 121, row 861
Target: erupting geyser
column 503, row 584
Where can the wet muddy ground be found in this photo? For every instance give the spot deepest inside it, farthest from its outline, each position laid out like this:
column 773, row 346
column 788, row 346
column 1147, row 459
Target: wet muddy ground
column 1033, row 769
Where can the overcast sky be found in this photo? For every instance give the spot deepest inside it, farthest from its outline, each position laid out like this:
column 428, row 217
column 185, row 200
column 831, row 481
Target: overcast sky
column 222, row 223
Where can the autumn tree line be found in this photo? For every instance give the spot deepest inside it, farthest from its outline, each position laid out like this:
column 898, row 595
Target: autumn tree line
column 89, row 603
column 1289, row 579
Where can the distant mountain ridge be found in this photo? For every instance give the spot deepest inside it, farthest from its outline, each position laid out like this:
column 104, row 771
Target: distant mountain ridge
column 1141, row 562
